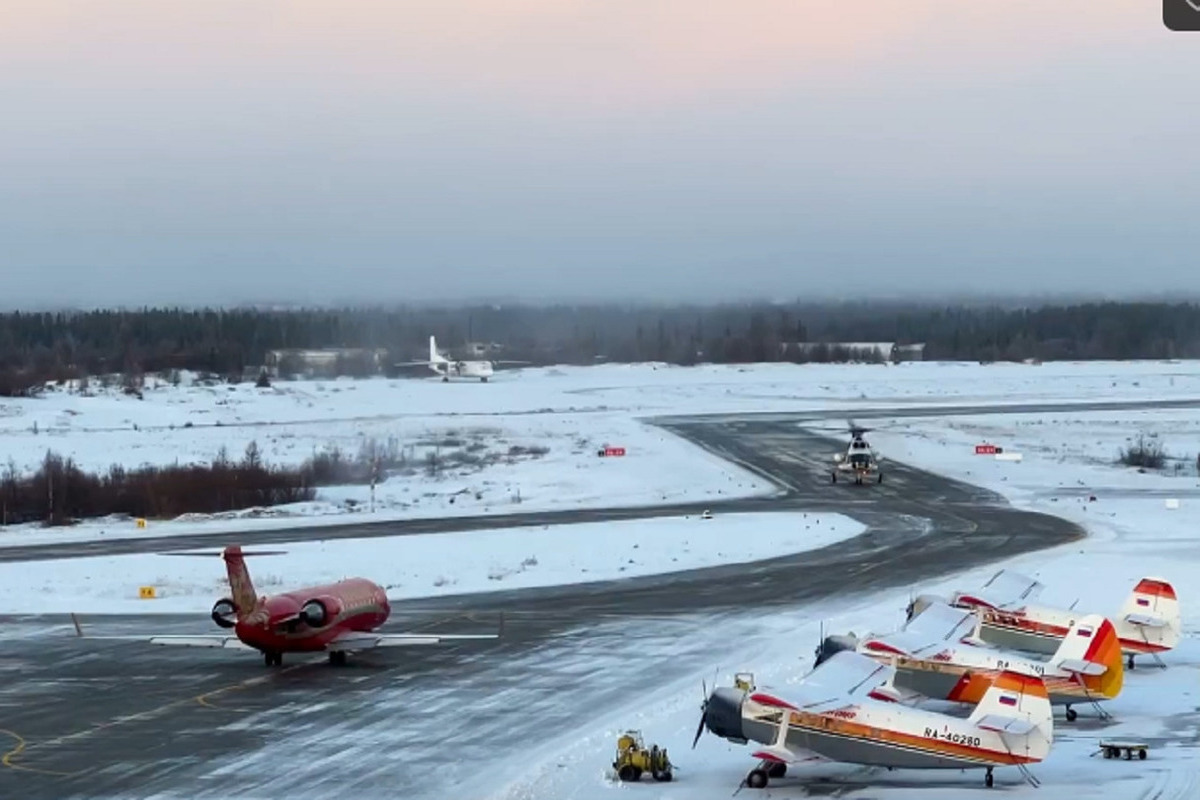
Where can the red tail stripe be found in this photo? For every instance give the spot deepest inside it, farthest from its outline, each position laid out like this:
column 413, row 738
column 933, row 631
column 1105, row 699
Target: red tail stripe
column 1155, row 589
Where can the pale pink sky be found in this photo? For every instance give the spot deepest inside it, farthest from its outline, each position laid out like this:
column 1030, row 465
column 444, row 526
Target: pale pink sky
column 539, row 138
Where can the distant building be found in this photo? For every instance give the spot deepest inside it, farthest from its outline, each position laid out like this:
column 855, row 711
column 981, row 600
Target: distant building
column 483, row 349
column 326, row 362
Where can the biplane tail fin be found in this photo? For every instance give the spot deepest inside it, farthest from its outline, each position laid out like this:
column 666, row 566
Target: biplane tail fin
column 1091, row 651
column 1017, row 706
column 1151, row 614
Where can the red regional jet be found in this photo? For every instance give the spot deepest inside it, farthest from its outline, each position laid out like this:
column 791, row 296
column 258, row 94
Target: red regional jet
column 338, row 618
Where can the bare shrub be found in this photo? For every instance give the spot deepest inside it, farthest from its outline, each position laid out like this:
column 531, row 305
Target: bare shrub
column 1146, row 453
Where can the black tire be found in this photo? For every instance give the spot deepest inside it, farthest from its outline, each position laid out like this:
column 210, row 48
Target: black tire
column 880, row 478
column 337, row 658
column 989, row 780
column 1072, row 714
column 757, row 779
column 777, row 770
column 1141, row 755
column 483, row 380
column 629, row 773
column 833, row 476
column 664, row 776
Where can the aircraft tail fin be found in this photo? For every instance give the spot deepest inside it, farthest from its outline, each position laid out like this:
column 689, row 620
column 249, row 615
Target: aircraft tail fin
column 1017, row 706
column 434, row 356
column 245, row 598
column 1091, row 650
column 1151, row 614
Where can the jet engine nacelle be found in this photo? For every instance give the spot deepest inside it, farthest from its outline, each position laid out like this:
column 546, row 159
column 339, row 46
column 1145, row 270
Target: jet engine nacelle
column 318, row 612
column 224, row 613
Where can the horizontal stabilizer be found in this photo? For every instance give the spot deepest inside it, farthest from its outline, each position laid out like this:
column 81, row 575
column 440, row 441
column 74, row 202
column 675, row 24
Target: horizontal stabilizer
column 1081, row 667
column 1146, row 620
column 1002, row 723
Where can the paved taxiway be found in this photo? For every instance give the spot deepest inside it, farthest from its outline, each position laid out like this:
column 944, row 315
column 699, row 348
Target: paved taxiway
column 98, row 719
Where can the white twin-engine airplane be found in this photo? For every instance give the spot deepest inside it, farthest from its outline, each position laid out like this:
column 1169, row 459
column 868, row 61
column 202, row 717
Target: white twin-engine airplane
column 474, row 369
column 838, row 713
column 1148, row 623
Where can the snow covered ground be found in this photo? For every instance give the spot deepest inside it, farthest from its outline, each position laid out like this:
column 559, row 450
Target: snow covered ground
column 1067, row 461
column 1067, row 468
column 526, row 441
column 425, row 565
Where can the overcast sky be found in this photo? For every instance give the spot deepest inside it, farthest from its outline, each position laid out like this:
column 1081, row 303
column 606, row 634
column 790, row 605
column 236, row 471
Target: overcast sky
column 221, row 151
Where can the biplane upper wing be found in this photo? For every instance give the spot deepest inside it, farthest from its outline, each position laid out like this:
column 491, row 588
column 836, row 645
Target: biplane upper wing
column 844, row 679
column 1005, row 589
column 927, row 633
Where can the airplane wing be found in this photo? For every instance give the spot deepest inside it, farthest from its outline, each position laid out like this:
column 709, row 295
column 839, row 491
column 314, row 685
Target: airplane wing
column 214, row 640
column 182, row 640
column 843, row 679
column 220, row 640
column 414, row 363
column 938, row 624
column 1005, row 589
column 369, row 641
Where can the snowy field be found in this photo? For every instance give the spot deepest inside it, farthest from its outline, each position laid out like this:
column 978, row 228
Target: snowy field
column 425, row 565
column 527, row 441
column 1067, row 468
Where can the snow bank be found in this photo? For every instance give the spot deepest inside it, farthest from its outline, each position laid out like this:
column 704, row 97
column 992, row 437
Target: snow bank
column 426, row 565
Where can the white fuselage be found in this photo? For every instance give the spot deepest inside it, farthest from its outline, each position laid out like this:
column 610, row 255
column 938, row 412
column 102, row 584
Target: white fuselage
column 893, row 735
column 476, row 370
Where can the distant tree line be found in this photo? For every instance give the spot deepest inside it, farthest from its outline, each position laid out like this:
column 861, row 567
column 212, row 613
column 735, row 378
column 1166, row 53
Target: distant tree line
column 59, row 492
column 35, row 347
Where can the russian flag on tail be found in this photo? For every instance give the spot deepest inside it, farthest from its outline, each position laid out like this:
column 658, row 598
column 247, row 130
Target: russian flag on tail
column 1008, row 700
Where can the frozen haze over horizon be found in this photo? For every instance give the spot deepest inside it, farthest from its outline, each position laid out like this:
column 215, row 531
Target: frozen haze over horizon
column 211, row 152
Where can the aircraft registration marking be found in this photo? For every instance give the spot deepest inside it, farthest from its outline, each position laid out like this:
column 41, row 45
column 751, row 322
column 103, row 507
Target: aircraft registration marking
column 952, row 737
column 1040, row 669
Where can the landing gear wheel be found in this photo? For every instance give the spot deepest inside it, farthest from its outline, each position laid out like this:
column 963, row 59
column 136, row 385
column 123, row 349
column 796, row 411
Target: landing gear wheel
column 273, row 659
column 1071, row 714
column 1129, row 663
column 757, row 779
column 777, row 770
column 629, row 773
column 880, row 480
column 483, row 380
column 337, row 658
column 833, row 477
column 445, row 379
column 988, row 780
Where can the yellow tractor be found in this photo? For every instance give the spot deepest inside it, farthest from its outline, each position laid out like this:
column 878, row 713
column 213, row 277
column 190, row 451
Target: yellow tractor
column 633, row 759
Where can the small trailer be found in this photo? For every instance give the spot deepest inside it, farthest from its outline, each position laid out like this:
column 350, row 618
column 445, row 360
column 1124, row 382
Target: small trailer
column 1130, row 750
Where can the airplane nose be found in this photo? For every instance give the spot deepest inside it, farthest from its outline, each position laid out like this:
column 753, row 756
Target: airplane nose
column 723, row 713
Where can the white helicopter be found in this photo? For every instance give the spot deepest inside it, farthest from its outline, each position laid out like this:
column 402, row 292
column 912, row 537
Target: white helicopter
column 860, row 459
